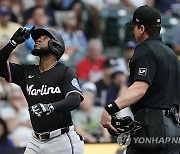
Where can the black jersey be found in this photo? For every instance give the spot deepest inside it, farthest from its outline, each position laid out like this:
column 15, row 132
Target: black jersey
column 50, row 86
column 155, row 63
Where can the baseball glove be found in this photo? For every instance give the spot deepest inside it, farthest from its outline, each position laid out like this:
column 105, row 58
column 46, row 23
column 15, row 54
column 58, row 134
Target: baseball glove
column 124, row 125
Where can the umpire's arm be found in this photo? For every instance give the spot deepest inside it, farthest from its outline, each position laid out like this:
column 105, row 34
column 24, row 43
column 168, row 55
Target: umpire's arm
column 135, row 92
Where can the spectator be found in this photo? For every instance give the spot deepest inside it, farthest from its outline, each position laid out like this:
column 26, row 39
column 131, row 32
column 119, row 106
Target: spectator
column 75, row 43
column 39, row 3
column 89, row 86
column 16, row 8
column 7, row 27
column 92, row 24
column 90, row 68
column 176, row 40
column 69, row 5
column 74, row 38
column 28, row 4
column 39, row 20
column 165, row 6
column 17, row 117
column 118, row 86
column 5, row 142
column 103, row 84
column 4, row 89
column 63, row 4
column 77, row 8
column 133, row 4
column 123, row 62
column 14, row 58
column 87, row 120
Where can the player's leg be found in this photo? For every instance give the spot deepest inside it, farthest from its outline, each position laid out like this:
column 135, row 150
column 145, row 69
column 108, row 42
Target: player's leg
column 68, row 143
column 77, row 142
column 33, row 146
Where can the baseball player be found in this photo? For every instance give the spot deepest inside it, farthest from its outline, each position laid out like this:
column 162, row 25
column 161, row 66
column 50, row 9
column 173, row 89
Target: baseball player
column 51, row 90
column 154, row 94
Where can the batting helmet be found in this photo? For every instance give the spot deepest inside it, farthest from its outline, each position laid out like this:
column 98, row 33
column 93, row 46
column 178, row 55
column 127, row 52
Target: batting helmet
column 56, row 44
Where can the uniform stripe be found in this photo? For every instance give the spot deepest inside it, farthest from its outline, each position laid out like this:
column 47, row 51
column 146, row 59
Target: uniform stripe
column 9, row 72
column 74, row 91
column 70, row 142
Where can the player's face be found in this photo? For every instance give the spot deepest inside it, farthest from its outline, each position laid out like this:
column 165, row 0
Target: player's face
column 42, row 42
column 41, row 46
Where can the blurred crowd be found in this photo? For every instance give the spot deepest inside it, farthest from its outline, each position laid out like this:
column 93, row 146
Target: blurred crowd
column 102, row 73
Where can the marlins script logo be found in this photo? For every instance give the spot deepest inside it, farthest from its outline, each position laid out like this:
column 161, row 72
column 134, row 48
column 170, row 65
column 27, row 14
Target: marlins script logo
column 44, row 90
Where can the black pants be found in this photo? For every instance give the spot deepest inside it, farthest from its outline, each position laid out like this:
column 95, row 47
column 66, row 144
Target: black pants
column 158, row 135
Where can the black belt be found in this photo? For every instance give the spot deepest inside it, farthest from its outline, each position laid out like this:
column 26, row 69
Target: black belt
column 47, row 135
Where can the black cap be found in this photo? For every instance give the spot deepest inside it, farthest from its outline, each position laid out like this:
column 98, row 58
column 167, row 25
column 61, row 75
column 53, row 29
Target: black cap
column 109, row 62
column 145, row 15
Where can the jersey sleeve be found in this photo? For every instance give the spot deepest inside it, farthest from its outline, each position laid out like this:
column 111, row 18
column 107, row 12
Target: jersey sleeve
column 15, row 73
column 143, row 65
column 71, row 84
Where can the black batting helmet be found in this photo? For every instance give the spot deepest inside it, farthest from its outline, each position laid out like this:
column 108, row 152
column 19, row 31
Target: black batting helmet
column 56, row 44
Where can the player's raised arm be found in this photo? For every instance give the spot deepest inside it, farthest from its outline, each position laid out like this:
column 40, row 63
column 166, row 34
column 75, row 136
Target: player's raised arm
column 18, row 37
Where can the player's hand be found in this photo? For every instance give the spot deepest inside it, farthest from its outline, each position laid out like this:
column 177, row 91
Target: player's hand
column 41, row 109
column 21, row 35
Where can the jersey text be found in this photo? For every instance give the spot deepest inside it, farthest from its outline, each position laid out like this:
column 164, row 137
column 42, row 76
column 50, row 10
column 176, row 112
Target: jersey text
column 44, row 90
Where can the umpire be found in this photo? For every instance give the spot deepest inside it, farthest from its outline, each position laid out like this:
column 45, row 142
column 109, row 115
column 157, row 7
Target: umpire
column 51, row 89
column 154, row 94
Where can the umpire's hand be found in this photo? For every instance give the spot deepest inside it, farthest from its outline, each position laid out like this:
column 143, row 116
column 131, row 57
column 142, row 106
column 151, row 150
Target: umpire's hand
column 21, row 35
column 106, row 121
column 41, row 109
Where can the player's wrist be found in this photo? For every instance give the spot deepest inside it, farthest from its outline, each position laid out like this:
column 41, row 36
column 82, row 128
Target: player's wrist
column 13, row 43
column 51, row 107
column 112, row 108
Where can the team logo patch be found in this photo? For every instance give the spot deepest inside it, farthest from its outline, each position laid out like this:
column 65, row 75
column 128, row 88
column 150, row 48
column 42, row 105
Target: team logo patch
column 75, row 83
column 142, row 71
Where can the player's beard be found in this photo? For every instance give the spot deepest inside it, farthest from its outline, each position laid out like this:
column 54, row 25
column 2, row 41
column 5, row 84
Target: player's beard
column 40, row 52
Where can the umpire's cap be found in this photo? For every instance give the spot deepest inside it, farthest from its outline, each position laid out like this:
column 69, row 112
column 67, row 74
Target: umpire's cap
column 56, row 44
column 145, row 15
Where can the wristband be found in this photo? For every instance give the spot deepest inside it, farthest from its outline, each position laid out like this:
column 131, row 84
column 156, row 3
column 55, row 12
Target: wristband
column 13, row 43
column 112, row 108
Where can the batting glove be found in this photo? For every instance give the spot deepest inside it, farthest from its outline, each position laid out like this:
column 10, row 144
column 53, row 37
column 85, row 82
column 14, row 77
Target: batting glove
column 21, row 35
column 42, row 109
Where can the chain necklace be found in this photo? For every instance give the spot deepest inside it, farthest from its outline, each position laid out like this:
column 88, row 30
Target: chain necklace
column 51, row 66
